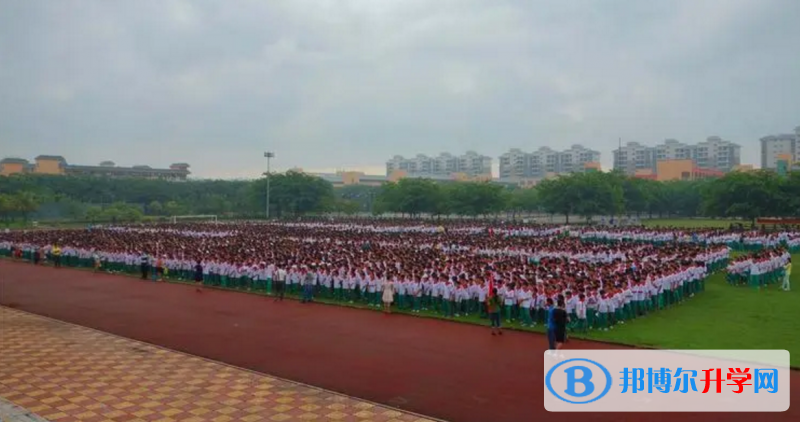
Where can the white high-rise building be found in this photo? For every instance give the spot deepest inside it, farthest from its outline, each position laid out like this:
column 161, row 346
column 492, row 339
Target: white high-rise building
column 396, row 163
column 575, row 159
column 634, row 156
column 444, row 165
column 517, row 164
column 774, row 146
column 474, row 164
column 542, row 161
column 716, row 153
column 671, row 149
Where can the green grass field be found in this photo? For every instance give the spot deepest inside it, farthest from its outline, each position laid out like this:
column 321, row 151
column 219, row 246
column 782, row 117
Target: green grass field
column 722, row 317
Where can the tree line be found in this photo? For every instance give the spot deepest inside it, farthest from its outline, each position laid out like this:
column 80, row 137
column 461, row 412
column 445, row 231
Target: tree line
column 745, row 195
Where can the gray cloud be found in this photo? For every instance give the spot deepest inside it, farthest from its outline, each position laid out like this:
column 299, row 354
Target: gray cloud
column 349, row 83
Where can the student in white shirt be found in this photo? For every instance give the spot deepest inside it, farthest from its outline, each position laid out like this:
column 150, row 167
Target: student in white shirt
column 280, row 283
column 580, row 311
column 509, row 299
column 525, row 301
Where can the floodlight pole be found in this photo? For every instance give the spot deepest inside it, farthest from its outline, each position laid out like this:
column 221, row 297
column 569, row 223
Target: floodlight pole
column 268, row 155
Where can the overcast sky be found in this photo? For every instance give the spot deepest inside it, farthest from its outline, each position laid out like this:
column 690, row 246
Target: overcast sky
column 348, row 84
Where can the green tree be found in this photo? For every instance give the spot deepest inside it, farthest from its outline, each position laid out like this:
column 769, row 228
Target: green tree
column 637, row 194
column 26, row 203
column 412, row 197
column 600, row 194
column 173, row 208
column 475, row 198
column 8, row 206
column 155, row 208
column 747, row 195
column 346, row 206
column 291, row 193
column 94, row 214
column 363, row 195
column 520, row 200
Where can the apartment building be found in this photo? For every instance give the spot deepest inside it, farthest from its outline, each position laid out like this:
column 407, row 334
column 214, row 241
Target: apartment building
column 576, row 158
column 517, row 164
column 714, row 154
column 470, row 163
column 717, row 154
column 775, row 148
column 634, row 157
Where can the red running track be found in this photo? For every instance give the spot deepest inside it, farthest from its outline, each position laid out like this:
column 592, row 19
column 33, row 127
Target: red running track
column 452, row 371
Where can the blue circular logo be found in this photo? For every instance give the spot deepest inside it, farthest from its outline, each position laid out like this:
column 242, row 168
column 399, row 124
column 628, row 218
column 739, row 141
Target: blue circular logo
column 577, row 373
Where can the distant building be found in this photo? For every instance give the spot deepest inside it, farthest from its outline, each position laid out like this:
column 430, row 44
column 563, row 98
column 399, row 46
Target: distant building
column 744, row 168
column 633, row 157
column 57, row 165
column 576, row 159
column 671, row 149
column 348, row 178
column 515, row 164
column 518, row 165
column 471, row 163
column 543, row 161
column 686, row 169
column 774, row 148
column 713, row 154
column 717, row 154
column 9, row 166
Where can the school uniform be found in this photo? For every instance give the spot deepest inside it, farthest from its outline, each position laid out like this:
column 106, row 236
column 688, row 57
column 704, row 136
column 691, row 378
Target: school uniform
column 509, row 300
column 602, row 313
column 280, row 283
column 526, row 301
column 482, row 292
column 416, row 292
column 580, row 312
column 401, row 293
column 448, row 299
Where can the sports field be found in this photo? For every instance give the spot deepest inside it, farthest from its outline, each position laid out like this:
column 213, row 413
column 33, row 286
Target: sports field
column 721, row 317
column 442, row 367
column 457, row 372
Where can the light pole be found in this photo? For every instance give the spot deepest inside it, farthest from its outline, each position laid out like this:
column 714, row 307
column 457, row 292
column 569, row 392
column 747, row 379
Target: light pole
column 268, row 155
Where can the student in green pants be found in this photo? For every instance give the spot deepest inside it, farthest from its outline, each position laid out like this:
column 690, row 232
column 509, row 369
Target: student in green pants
column 602, row 312
column 509, row 299
column 582, row 324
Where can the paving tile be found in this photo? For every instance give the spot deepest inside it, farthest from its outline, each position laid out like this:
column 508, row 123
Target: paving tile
column 65, row 373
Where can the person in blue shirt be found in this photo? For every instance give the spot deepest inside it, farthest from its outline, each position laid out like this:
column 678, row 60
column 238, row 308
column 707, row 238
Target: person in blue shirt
column 551, row 327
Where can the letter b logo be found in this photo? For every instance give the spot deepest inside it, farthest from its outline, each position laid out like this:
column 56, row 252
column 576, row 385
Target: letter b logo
column 584, row 378
column 575, row 381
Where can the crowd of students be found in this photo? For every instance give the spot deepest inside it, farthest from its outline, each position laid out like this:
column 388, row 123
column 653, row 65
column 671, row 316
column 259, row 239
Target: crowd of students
column 738, row 241
column 447, row 269
column 762, row 268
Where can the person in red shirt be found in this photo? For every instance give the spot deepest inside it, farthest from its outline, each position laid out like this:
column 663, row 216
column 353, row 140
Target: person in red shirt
column 493, row 305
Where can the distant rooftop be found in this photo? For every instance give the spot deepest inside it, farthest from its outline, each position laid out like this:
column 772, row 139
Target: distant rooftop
column 12, row 160
column 51, row 157
column 105, row 168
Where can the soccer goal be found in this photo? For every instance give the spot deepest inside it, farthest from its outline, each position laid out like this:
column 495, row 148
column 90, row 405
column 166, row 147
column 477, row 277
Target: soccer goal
column 193, row 219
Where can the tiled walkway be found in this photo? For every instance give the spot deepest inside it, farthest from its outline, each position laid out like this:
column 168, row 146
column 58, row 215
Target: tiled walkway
column 64, row 372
